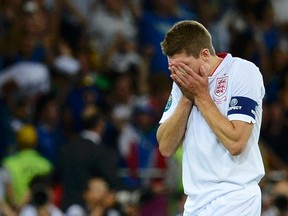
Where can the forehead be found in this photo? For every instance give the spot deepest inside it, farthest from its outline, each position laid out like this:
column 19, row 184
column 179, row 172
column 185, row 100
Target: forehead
column 181, row 57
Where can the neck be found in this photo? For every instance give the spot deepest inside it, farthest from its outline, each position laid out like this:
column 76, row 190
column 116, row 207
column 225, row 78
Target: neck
column 215, row 62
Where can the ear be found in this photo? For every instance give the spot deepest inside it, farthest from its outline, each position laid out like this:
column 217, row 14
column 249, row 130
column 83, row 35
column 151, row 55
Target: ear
column 205, row 54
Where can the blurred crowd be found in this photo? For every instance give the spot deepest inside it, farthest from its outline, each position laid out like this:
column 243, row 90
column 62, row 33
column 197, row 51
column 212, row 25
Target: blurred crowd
column 83, row 84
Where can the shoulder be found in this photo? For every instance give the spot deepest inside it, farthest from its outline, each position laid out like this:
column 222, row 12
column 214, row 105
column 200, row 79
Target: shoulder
column 244, row 64
column 246, row 70
column 10, row 160
column 38, row 160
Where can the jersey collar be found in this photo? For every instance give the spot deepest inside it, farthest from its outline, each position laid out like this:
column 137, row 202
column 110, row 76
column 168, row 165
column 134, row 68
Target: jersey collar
column 227, row 58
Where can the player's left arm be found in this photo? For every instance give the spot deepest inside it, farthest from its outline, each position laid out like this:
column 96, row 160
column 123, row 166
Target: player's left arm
column 234, row 130
column 233, row 133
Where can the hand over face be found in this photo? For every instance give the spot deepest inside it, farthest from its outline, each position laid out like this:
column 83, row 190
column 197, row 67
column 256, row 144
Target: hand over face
column 193, row 84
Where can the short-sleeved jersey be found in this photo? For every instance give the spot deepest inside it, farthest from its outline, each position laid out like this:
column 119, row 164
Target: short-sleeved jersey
column 209, row 170
column 23, row 167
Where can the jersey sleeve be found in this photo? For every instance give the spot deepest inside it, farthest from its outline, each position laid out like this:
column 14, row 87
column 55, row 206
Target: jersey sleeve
column 172, row 103
column 247, row 93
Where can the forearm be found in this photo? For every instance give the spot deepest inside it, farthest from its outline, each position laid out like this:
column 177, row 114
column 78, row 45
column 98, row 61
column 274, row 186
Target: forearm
column 170, row 133
column 233, row 135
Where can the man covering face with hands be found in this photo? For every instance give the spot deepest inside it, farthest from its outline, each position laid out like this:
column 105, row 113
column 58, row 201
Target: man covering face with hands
column 214, row 111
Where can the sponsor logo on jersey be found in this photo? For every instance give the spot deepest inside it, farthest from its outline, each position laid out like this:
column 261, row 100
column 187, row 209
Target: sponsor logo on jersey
column 233, row 105
column 235, row 108
column 168, row 105
column 233, row 102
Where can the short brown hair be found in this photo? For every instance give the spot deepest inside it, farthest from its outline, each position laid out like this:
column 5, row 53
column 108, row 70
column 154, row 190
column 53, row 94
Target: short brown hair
column 187, row 36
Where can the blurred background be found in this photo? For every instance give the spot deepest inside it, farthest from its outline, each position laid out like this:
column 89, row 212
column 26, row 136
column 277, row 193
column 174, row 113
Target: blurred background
column 83, row 84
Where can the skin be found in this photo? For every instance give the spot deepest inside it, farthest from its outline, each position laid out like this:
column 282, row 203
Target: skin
column 191, row 75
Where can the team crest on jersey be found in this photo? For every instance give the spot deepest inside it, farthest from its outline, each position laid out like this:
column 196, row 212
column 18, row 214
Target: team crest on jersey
column 169, row 102
column 221, row 86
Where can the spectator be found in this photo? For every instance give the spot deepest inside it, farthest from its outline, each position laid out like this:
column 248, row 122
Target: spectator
column 112, row 31
column 99, row 200
column 25, row 164
column 48, row 125
column 84, row 157
column 31, row 79
column 112, row 19
column 7, row 135
column 275, row 134
column 142, row 163
column 279, row 199
column 122, row 99
column 41, row 199
column 81, row 95
column 153, row 25
column 159, row 91
column 75, row 16
column 32, row 34
column 9, row 21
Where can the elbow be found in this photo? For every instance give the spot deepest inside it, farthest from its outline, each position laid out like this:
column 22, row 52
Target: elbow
column 236, row 149
column 162, row 147
column 165, row 149
column 167, row 146
column 235, row 152
column 165, row 152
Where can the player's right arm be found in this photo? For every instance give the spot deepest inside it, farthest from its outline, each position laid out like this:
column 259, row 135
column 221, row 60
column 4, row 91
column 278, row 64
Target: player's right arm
column 171, row 132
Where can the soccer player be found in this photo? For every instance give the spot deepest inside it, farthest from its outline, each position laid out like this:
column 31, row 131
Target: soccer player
column 215, row 111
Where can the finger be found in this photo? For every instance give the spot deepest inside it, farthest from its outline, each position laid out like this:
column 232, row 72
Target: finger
column 179, row 69
column 169, row 66
column 188, row 70
column 184, row 66
column 180, row 72
column 177, row 76
column 172, row 69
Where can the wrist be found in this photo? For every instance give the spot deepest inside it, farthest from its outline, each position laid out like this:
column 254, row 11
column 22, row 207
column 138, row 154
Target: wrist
column 187, row 101
column 203, row 101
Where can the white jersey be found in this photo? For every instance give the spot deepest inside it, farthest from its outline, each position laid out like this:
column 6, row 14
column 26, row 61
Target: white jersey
column 209, row 170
